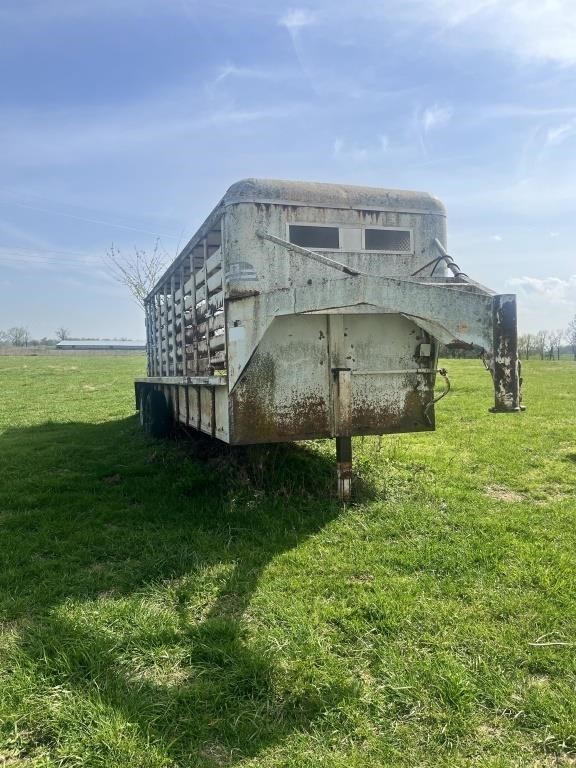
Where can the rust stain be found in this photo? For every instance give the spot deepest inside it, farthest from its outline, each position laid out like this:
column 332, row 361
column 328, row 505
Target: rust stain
column 255, row 418
column 370, row 419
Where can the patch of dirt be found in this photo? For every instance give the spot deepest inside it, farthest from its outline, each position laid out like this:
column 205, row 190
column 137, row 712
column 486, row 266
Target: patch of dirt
column 501, row 493
column 216, row 753
column 97, row 568
column 360, row 578
column 491, row 732
column 113, row 480
column 555, row 761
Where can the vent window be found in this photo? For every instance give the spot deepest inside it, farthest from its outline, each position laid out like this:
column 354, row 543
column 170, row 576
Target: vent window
column 397, row 240
column 315, row 237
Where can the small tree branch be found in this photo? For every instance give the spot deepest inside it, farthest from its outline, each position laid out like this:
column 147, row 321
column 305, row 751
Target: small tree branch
column 138, row 272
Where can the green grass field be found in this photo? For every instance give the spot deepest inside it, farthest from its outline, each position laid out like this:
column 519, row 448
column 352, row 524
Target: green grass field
column 169, row 604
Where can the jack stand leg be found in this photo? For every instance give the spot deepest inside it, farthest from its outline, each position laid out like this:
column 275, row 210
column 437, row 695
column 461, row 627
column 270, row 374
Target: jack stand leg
column 344, row 467
column 505, row 363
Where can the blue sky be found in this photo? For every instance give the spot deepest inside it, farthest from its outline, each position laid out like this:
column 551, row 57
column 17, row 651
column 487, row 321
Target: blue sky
column 124, row 120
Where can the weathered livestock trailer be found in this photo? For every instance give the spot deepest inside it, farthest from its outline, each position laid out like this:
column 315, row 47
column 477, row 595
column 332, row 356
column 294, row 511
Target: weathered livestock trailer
column 303, row 310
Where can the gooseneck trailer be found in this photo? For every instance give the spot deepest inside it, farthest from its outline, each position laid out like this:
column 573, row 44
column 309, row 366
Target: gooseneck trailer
column 304, row 310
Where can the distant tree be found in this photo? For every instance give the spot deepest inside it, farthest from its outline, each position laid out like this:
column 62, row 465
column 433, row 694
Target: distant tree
column 18, row 336
column 571, row 336
column 62, row 333
column 139, row 271
column 526, row 345
column 4, row 337
column 541, row 343
column 554, row 343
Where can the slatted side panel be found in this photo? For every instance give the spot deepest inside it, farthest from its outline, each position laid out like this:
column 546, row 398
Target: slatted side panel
column 186, row 320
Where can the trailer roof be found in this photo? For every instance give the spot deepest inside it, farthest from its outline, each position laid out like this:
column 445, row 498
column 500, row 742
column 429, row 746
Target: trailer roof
column 313, row 194
column 275, row 191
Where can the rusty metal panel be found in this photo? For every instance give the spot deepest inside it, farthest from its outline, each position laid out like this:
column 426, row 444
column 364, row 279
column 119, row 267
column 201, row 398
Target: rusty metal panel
column 222, row 414
column 342, row 403
column 207, row 410
column 387, row 394
column 283, row 393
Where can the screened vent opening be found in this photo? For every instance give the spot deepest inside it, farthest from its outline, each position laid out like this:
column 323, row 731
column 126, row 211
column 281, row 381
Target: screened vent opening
column 315, row 237
column 388, row 240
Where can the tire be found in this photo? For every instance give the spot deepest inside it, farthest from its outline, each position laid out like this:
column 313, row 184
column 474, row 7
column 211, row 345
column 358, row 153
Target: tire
column 155, row 414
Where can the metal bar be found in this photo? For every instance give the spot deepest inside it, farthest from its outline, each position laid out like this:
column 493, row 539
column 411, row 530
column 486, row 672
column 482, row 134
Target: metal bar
column 158, row 335
column 342, row 425
column 173, row 302
column 165, row 330
column 205, row 381
column 193, row 310
column 398, row 371
column 182, row 325
column 205, row 255
column 158, row 332
column 344, row 466
column 310, row 254
column 148, row 327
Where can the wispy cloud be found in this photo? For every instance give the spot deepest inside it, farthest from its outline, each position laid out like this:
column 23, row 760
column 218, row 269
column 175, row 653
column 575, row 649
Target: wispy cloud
column 343, row 149
column 436, row 116
column 560, row 133
column 231, row 71
column 528, row 29
column 297, row 18
column 39, row 138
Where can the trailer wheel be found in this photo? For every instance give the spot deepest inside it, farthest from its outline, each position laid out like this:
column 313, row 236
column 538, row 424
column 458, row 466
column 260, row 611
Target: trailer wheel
column 155, row 414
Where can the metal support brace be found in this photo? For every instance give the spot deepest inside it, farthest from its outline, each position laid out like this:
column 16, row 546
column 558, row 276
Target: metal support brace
column 342, row 426
column 505, row 366
column 344, row 466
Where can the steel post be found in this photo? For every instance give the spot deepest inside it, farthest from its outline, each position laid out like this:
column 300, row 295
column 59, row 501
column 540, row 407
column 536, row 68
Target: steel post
column 505, row 365
column 344, row 466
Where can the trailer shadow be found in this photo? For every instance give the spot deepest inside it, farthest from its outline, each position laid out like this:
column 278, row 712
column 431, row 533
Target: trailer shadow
column 117, row 543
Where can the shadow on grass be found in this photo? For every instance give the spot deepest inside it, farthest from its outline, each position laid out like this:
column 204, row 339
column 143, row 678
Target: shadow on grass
column 105, row 527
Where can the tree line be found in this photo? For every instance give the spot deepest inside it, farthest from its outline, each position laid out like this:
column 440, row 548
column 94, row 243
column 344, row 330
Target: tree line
column 547, row 345
column 20, row 336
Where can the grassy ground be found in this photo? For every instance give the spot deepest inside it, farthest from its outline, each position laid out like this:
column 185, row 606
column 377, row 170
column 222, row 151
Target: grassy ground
column 161, row 607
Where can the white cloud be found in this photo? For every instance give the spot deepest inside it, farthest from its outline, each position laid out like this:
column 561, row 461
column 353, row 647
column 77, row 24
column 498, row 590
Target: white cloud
column 436, row 116
column 528, row 29
column 554, row 288
column 559, row 134
column 496, row 238
column 297, row 18
column 548, row 302
column 251, row 73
